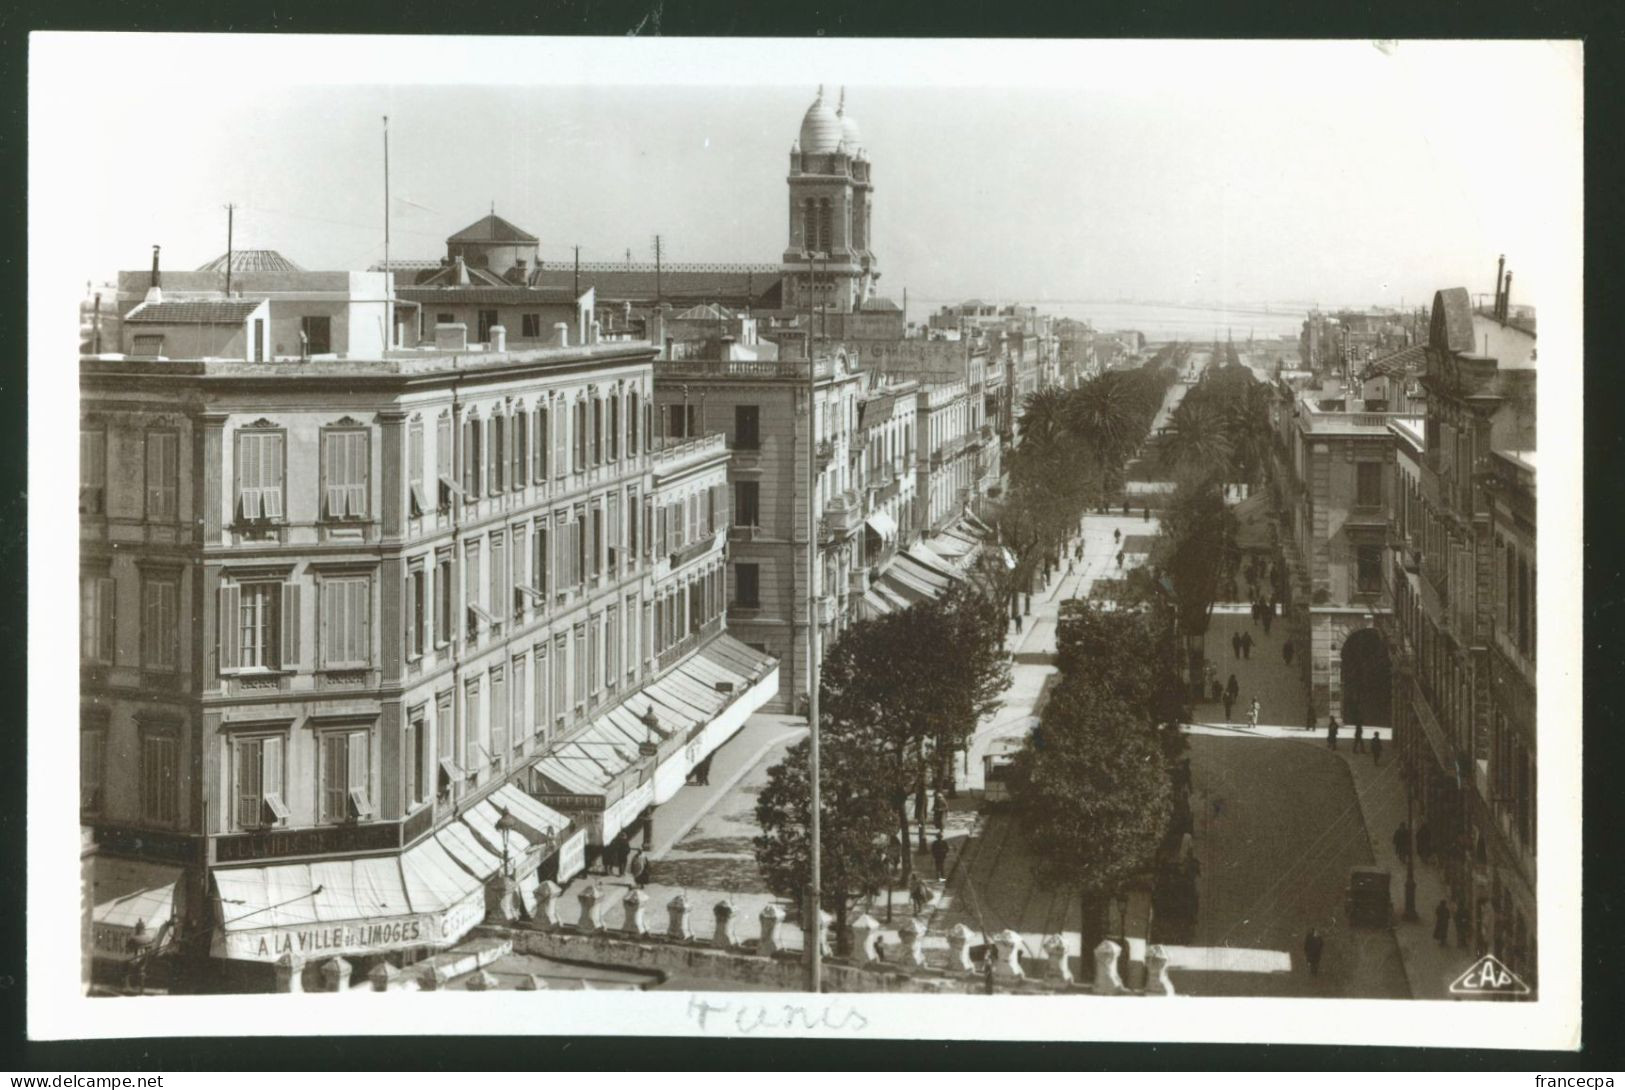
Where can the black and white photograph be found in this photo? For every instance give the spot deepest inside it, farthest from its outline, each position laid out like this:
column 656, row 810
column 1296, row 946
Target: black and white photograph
column 1041, row 532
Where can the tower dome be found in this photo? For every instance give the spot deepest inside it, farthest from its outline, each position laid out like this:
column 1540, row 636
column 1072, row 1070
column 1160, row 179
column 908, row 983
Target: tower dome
column 849, row 127
column 820, row 129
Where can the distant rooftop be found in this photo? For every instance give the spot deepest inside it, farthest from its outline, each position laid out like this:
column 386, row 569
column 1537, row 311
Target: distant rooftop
column 492, row 228
column 397, row 364
column 251, row 261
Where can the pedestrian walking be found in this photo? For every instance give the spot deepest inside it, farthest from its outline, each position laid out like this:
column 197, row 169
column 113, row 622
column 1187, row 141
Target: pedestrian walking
column 1235, row 643
column 1313, row 944
column 1253, row 609
column 1229, row 699
column 1402, row 841
column 1331, row 732
column 1145, row 514
column 918, row 895
column 939, row 856
column 1286, row 652
column 1232, row 687
column 1424, row 843
column 1119, row 559
column 1359, row 737
column 1218, row 690
column 1125, row 509
column 1376, row 748
column 1463, row 922
column 939, row 812
column 1246, row 645
column 1117, row 535
column 1252, row 714
column 639, row 868
column 1441, row 922
column 1309, row 719
column 1269, row 618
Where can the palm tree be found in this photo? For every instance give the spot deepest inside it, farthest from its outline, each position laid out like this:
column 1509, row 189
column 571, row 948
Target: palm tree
column 1043, row 418
column 1195, row 439
column 1107, row 415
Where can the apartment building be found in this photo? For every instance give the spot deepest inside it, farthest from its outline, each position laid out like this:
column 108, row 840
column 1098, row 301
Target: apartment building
column 371, row 646
column 761, row 408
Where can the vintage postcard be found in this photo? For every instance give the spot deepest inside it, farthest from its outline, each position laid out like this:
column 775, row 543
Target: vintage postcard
column 742, row 538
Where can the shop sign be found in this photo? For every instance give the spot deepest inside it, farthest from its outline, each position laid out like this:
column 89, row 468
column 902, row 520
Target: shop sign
column 353, row 937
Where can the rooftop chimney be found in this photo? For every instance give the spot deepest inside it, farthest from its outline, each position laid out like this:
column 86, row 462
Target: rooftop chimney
column 155, row 291
column 1500, row 273
column 1506, row 298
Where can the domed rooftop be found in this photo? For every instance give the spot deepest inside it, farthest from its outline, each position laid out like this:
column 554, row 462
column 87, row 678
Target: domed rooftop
column 849, row 127
column 820, row 129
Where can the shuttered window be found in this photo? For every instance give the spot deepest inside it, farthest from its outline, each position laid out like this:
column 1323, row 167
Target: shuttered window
column 416, row 612
column 92, row 471
column 160, row 777
column 539, row 445
column 259, row 475
column 560, row 695
column 343, row 776
column 442, row 458
column 633, row 419
column 518, row 692
column 253, row 635
column 98, row 620
column 561, row 439
column 497, row 602
column 614, row 428
column 344, row 465
column 471, row 460
column 92, row 768
column 539, row 712
column 160, row 628
column 346, row 637
column 496, row 453
column 499, row 714
column 258, row 782
column 163, row 475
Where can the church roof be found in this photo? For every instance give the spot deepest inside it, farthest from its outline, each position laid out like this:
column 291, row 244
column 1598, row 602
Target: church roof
column 849, row 127
column 457, row 274
column 245, row 261
column 820, row 128
column 492, row 228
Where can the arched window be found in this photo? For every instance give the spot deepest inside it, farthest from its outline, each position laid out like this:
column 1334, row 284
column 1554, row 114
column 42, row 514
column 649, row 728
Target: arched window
column 810, row 233
column 826, row 232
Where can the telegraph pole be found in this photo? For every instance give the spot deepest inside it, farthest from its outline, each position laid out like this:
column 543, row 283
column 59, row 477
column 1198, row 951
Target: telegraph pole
column 812, row 924
column 578, row 272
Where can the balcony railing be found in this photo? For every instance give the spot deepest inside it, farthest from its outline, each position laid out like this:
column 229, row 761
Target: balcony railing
column 692, row 550
column 670, row 453
column 825, row 451
column 749, row 369
column 681, row 649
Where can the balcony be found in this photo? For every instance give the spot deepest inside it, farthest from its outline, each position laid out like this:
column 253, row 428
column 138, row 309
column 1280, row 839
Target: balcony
column 858, row 578
column 842, row 517
column 680, row 650
column 672, row 455
column 828, row 609
column 693, row 550
column 825, row 453
column 859, row 440
column 745, row 533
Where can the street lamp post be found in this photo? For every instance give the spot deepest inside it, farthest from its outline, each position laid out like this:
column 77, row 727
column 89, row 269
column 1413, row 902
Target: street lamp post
column 811, row 924
column 505, row 825
column 1410, row 848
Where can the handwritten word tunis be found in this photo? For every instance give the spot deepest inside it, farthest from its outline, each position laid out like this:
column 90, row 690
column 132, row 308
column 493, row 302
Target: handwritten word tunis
column 750, row 1018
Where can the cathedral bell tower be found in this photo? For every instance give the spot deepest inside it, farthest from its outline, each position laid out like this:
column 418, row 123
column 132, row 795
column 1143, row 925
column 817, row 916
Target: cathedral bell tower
column 827, row 260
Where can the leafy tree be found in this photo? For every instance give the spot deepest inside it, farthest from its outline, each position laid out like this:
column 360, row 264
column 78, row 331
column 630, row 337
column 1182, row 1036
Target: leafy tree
column 855, row 822
column 1195, row 544
column 1132, row 651
column 1093, row 794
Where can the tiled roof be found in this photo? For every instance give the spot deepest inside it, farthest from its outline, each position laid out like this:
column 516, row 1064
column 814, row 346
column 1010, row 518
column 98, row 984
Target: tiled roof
column 492, row 228
column 181, row 312
column 705, row 312
column 251, row 261
column 882, row 304
column 484, row 293
column 1406, row 361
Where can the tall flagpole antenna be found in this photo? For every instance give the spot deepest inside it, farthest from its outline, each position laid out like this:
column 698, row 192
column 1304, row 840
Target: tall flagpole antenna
column 230, row 209
column 386, row 193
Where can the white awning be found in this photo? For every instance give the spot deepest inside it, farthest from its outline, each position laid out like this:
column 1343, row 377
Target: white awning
column 128, row 892
column 347, row 907
column 884, row 525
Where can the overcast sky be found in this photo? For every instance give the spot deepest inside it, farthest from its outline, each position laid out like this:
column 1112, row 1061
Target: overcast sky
column 1233, row 172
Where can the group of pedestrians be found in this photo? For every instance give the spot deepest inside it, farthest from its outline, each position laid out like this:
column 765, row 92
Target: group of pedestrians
column 621, row 859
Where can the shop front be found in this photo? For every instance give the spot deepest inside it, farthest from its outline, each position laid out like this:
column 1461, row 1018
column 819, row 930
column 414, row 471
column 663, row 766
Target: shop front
column 133, row 918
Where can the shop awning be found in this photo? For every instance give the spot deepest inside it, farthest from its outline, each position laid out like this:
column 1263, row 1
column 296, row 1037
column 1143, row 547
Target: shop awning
column 933, row 560
column 127, row 892
column 425, row 896
column 884, row 525
column 875, row 605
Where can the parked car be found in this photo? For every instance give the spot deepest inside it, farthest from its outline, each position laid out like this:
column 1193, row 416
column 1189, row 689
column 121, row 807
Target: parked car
column 1369, row 902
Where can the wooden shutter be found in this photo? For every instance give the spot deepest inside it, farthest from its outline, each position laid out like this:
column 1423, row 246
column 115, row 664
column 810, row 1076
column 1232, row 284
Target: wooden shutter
column 561, row 438
column 521, row 440
column 334, row 774
column 470, row 461
column 498, row 732
column 360, row 621
column 249, row 461
column 538, row 444
column 230, row 635
column 155, row 474
column 271, row 475
column 497, row 605
column 356, row 487
column 336, row 456
column 493, row 454
column 290, row 625
column 356, row 760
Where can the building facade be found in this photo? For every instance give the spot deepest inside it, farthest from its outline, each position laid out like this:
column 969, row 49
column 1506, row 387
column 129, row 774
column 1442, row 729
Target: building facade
column 827, row 259
column 337, row 620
